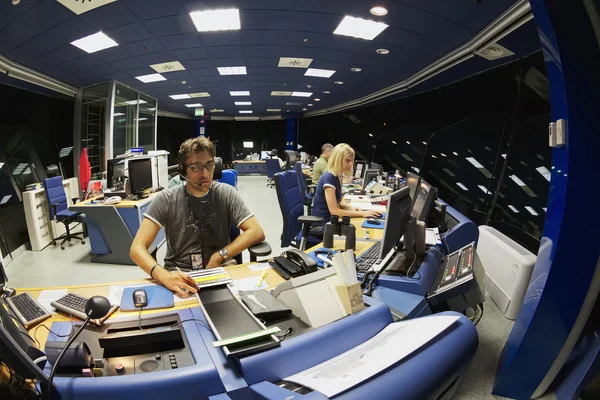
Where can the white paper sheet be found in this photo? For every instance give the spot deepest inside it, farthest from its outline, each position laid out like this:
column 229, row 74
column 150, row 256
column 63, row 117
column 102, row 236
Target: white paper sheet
column 48, row 296
column 388, row 347
column 258, row 267
column 248, row 284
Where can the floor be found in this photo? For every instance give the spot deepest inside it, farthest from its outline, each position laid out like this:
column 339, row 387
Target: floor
column 54, row 267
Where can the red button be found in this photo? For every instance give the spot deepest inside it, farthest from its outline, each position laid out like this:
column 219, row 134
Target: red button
column 120, row 368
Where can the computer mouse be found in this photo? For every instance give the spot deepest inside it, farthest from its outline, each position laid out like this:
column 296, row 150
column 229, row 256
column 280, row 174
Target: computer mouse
column 8, row 292
column 140, row 298
column 374, row 221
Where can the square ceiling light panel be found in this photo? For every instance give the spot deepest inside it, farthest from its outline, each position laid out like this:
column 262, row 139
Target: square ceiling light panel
column 301, row 94
column 151, row 78
column 200, row 94
column 320, row 73
column 179, row 96
column 93, row 43
column 232, row 70
column 280, row 93
column 239, row 93
column 359, row 28
column 171, row 66
column 292, row 62
column 80, row 7
column 216, row 20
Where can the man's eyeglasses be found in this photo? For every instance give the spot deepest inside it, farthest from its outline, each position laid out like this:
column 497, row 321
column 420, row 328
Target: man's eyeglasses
column 199, row 167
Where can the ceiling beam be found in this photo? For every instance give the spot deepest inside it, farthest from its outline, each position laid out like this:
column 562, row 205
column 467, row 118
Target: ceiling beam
column 18, row 71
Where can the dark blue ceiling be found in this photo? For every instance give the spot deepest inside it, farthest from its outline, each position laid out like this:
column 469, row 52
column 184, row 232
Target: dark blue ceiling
column 37, row 33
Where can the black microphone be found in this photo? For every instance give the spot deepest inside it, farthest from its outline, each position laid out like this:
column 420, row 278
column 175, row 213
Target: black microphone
column 96, row 307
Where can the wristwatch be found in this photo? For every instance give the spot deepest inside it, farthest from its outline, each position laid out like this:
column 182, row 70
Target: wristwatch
column 223, row 253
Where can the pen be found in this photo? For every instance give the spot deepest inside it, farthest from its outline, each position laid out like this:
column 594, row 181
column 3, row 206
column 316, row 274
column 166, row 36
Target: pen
column 262, row 278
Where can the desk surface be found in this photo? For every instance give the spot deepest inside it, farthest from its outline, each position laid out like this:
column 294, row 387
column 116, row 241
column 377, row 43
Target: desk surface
column 122, row 204
column 249, row 162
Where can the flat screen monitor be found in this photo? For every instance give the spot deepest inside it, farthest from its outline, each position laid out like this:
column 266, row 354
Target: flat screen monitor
column 398, row 211
column 115, row 171
column 412, row 181
column 140, row 174
column 376, row 166
column 359, row 169
column 423, row 201
column 264, row 155
column 370, row 174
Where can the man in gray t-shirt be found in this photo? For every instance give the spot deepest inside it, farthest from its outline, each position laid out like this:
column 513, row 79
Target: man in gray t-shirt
column 218, row 210
column 197, row 218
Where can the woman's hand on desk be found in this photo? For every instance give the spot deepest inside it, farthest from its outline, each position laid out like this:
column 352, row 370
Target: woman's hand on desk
column 179, row 282
column 371, row 214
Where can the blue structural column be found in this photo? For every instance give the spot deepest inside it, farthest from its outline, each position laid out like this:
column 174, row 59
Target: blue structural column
column 565, row 279
column 291, row 134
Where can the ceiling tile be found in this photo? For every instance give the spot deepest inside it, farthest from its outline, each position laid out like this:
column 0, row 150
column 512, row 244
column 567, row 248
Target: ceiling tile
column 58, row 56
column 262, row 51
column 205, row 79
column 174, row 25
column 201, row 5
column 267, row 37
column 15, row 34
column 195, row 64
column 315, row 22
column 139, row 72
column 262, row 61
column 338, row 7
column 204, row 72
column 128, row 63
column 159, row 8
column 157, row 58
column 34, row 48
column 229, row 62
column 225, row 51
column 189, row 54
column 109, row 16
column 12, row 12
column 266, row 19
column 129, row 33
column 221, row 38
column 183, row 41
column 46, row 15
column 266, row 4
column 413, row 41
column 144, row 47
column 178, row 75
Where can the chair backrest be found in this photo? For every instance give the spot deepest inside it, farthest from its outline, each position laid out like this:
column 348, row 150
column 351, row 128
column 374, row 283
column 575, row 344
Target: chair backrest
column 218, row 168
column 291, row 204
column 301, row 178
column 93, row 182
column 290, row 159
column 272, row 167
column 229, row 178
column 55, row 194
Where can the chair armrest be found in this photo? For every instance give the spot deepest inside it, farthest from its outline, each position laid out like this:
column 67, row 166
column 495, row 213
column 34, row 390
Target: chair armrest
column 53, row 207
column 310, row 219
column 261, row 249
column 311, row 188
column 75, row 199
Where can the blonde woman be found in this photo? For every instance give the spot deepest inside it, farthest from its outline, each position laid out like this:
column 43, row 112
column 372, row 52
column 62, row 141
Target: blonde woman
column 328, row 197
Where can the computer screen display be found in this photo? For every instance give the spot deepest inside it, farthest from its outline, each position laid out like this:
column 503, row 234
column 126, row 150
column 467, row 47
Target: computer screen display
column 370, row 174
column 376, row 166
column 140, row 174
column 423, row 201
column 398, row 211
column 412, row 181
column 359, row 169
column 264, row 155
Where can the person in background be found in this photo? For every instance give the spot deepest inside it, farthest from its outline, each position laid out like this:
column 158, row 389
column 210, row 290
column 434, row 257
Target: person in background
column 328, row 199
column 273, row 155
column 321, row 164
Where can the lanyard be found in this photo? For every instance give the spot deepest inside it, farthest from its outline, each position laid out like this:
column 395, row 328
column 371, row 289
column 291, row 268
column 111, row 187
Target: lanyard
column 197, row 221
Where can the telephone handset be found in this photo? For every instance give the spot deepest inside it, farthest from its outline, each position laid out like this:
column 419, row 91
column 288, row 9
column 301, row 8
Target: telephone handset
column 302, row 259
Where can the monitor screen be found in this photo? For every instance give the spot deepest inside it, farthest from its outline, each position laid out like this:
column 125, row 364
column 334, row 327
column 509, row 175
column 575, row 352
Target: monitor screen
column 264, row 155
column 423, row 201
column 370, row 174
column 140, row 174
column 398, row 211
column 376, row 166
column 359, row 169
column 412, row 181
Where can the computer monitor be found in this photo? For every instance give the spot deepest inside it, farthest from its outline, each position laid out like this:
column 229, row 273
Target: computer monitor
column 264, row 155
column 140, row 174
column 376, row 166
column 370, row 174
column 423, row 201
column 412, row 181
column 398, row 212
column 115, row 171
column 359, row 169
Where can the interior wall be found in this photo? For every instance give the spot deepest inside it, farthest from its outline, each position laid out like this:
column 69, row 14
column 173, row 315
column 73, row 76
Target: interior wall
column 171, row 132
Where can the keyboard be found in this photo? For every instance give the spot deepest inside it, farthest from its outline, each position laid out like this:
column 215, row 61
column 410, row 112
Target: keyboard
column 286, row 268
column 28, row 310
column 74, row 304
column 370, row 257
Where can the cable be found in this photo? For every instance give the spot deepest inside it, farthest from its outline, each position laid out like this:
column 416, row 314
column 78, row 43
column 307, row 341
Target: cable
column 140, row 319
column 481, row 315
column 288, row 332
column 49, row 330
column 194, row 319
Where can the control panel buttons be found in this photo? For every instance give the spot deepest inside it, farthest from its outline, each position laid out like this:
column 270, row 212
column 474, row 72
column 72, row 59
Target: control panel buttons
column 120, row 368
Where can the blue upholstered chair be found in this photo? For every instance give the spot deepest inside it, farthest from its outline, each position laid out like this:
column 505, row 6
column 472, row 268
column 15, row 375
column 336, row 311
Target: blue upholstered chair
column 59, row 211
column 296, row 225
column 306, row 191
column 272, row 169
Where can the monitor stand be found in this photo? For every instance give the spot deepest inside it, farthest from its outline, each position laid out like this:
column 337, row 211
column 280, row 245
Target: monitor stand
column 402, row 263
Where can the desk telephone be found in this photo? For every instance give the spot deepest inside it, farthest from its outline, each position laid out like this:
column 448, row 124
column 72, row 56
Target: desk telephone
column 293, row 263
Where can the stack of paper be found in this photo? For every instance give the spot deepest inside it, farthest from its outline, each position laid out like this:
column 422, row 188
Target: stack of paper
column 210, row 277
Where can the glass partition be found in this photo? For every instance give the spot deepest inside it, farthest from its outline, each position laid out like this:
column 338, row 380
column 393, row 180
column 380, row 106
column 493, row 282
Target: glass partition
column 124, row 119
column 146, row 123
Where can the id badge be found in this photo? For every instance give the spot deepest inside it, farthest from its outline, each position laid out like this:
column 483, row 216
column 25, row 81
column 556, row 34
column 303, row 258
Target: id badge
column 196, row 261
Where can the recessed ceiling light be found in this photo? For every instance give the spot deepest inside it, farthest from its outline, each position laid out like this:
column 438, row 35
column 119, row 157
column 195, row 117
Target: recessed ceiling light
column 393, row 141
column 304, row 109
column 93, row 43
column 245, row 111
column 168, row 67
column 310, row 105
column 355, row 69
column 379, row 11
column 243, row 103
column 280, row 93
column 319, row 73
column 370, row 134
column 425, row 143
column 531, row 211
column 301, row 94
column 200, row 94
column 232, row 70
column 308, row 86
column 292, row 62
column 383, row 51
column 293, row 103
column 216, row 20
column 183, row 82
column 134, row 102
column 193, row 105
column 545, row 209
column 455, row 153
column 240, row 93
column 513, row 208
column 359, row 28
column 215, row 110
column 443, row 155
column 326, row 91
column 417, row 170
column 151, row 78
column 179, row 96
column 463, row 187
column 273, row 109
column 544, row 172
column 407, row 142
column 317, row 99
column 339, row 82
column 433, row 156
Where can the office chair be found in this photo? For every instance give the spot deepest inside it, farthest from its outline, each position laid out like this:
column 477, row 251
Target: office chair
column 296, row 225
column 291, row 157
column 59, row 211
column 307, row 191
column 258, row 250
column 272, row 169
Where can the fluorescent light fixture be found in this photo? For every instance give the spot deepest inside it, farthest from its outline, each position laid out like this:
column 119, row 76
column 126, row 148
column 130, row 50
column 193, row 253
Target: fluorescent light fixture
column 301, row 94
column 134, row 102
column 339, row 82
column 443, row 155
column 463, row 187
column 513, row 208
column 179, row 96
column 310, row 105
column 359, row 28
column 326, row 91
column 142, row 119
column 239, row 93
column 293, row 103
column 304, row 109
column 317, row 99
column 393, row 141
column 245, row 111
column 417, row 170
column 484, row 189
column 200, row 94
column 248, row 145
column 280, row 93
column 319, row 73
column 356, row 69
column 517, row 180
column 193, row 105
column 93, row 43
column 241, row 70
column 433, row 156
column 545, row 209
column 531, row 211
column 118, row 114
column 503, row 155
column 379, row 11
column 151, row 78
column 449, row 172
column 407, row 142
column 382, row 51
column 215, row 110
column 370, row 134
column 455, row 153
column 475, row 163
column 544, row 171
column 243, row 103
column 216, row 20
column 273, row 109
